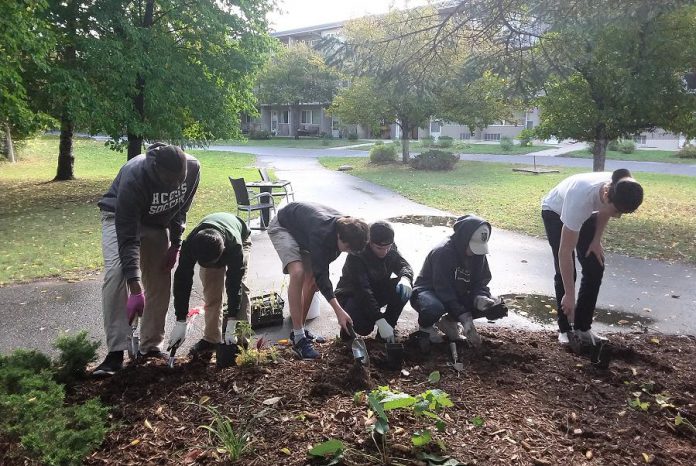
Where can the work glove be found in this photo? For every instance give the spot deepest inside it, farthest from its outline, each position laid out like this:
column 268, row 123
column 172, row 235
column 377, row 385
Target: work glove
column 172, row 254
column 230, row 337
column 404, row 288
column 135, row 306
column 385, row 331
column 178, row 335
column 482, row 303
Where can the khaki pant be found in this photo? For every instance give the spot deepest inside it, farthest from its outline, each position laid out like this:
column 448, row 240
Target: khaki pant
column 213, row 280
column 154, row 243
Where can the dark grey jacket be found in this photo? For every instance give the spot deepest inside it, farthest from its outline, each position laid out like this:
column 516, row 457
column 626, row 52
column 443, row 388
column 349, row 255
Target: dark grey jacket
column 136, row 197
column 455, row 277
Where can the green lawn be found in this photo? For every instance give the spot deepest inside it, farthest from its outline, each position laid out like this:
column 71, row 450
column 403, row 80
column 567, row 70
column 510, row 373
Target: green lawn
column 663, row 228
column 640, row 155
column 302, row 143
column 53, row 229
column 465, row 148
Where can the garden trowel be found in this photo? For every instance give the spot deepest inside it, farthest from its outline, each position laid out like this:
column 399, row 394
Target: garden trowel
column 458, row 366
column 134, row 340
column 359, row 348
column 598, row 353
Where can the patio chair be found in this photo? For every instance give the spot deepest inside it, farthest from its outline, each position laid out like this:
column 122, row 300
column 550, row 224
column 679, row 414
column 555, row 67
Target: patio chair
column 284, row 184
column 248, row 201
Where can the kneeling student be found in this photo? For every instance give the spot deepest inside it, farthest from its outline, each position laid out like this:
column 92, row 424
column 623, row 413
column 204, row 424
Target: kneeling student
column 453, row 282
column 220, row 244
column 366, row 284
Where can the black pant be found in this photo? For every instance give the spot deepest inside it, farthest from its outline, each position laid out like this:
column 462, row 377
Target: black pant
column 592, row 270
column 364, row 316
column 429, row 308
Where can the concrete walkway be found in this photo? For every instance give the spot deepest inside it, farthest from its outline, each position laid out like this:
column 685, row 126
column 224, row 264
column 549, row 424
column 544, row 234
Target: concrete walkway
column 33, row 314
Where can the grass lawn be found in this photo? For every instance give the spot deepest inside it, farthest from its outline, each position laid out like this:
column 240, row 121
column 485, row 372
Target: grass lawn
column 663, row 228
column 302, row 143
column 54, row 229
column 640, row 155
column 464, row 148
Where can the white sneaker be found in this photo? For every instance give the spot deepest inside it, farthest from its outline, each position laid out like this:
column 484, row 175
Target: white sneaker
column 433, row 335
column 589, row 337
column 470, row 332
column 563, row 338
column 450, row 328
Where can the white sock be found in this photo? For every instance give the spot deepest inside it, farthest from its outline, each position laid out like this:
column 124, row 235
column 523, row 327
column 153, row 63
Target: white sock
column 298, row 334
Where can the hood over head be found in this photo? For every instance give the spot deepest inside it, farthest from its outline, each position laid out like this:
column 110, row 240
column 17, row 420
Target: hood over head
column 471, row 231
column 166, row 163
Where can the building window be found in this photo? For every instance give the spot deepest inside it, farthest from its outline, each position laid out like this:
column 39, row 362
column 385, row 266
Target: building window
column 310, row 117
column 335, row 124
column 285, row 116
column 435, row 126
column 640, row 139
column 491, row 137
column 466, row 136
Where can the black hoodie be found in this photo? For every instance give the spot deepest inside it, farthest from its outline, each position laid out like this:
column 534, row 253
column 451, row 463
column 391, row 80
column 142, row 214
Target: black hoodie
column 455, row 277
column 137, row 197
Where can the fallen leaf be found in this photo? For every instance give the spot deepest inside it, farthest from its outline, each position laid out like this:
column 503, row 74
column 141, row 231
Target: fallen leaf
column 204, row 399
column 623, row 322
column 647, row 458
column 137, row 441
column 588, row 454
column 655, row 341
column 272, row 401
column 285, row 451
column 148, row 425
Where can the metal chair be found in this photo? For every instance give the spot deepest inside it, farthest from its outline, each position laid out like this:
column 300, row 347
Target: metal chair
column 249, row 202
column 284, row 184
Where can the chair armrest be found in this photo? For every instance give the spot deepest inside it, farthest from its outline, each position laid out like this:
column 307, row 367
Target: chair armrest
column 253, row 196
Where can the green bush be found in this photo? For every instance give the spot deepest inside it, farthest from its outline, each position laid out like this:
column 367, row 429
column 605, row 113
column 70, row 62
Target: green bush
column 381, row 153
column 434, row 160
column 526, row 136
column 506, row 144
column 76, row 352
column 627, row 146
column 427, row 141
column 33, row 410
column 613, row 145
column 687, row 152
column 352, row 136
column 259, row 134
column 445, row 142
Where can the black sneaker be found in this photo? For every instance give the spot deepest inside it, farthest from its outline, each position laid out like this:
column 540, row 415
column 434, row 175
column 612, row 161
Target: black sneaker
column 112, row 364
column 202, row 347
column 309, row 336
column 304, row 349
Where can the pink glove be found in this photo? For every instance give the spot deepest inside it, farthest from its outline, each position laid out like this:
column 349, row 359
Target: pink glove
column 135, row 306
column 172, row 254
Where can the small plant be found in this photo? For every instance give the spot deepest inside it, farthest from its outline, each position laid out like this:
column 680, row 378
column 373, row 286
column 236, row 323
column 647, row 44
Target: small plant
column 434, row 160
column 626, row 146
column 225, row 439
column 427, row 141
column 76, row 351
column 613, row 145
column 445, row 142
column 244, row 330
column 687, row 152
column 259, row 134
column 352, row 136
column 381, row 153
column 525, row 137
column 506, row 144
column 331, row 451
column 259, row 355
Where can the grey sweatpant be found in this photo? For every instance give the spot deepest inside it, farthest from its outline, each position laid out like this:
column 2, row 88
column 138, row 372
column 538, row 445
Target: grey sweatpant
column 154, row 243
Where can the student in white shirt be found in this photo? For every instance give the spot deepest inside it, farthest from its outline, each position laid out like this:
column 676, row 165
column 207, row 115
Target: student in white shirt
column 575, row 214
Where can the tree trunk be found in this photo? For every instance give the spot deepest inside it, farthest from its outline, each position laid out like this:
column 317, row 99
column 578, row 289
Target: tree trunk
column 66, row 159
column 9, row 146
column 599, row 152
column 405, row 129
column 294, row 116
column 135, row 141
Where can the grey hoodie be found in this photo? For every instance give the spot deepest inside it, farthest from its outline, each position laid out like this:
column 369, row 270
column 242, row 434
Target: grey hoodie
column 137, row 197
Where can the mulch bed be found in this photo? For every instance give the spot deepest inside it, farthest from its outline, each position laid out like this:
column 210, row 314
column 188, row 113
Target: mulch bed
column 539, row 404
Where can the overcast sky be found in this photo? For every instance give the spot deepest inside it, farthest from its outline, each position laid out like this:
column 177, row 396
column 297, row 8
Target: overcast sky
column 301, row 13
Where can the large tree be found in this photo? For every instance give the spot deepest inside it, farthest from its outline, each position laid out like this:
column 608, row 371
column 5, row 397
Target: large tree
column 297, row 74
column 178, row 71
column 24, row 43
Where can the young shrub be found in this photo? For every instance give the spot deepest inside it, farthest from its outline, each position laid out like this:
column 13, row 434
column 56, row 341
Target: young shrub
column 613, row 145
column 626, row 146
column 525, row 137
column 382, row 153
column 445, row 142
column 434, row 160
column 259, row 134
column 506, row 144
column 225, row 439
column 352, row 136
column 76, row 351
column 687, row 152
column 428, row 141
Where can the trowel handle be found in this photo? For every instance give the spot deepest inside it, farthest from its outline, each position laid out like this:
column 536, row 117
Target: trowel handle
column 351, row 332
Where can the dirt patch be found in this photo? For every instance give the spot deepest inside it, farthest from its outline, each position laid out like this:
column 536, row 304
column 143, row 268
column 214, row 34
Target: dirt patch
column 521, row 399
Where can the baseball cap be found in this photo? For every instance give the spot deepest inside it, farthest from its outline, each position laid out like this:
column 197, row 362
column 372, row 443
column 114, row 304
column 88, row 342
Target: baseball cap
column 479, row 240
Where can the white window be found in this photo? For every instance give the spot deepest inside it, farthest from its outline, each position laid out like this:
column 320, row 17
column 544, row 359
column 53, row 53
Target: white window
column 435, row 126
column 466, row 136
column 491, row 137
column 310, row 117
column 285, row 116
column 335, row 124
column 640, row 139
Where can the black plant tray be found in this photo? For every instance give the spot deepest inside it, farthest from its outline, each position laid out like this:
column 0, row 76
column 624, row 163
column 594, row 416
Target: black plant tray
column 266, row 310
